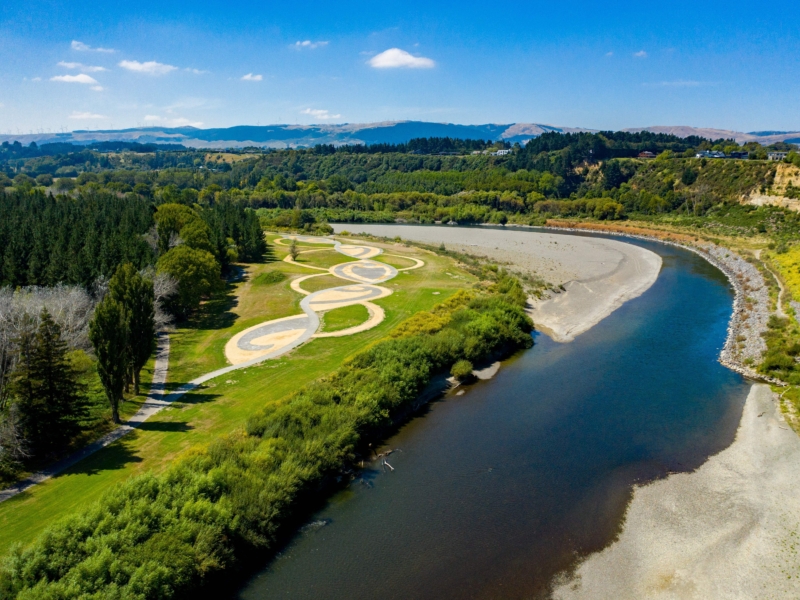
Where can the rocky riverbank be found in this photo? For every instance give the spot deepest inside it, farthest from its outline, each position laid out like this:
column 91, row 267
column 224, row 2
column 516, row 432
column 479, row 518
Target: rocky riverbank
column 744, row 345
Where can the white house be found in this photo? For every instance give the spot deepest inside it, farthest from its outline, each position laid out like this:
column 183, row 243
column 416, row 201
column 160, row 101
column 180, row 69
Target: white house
column 776, row 155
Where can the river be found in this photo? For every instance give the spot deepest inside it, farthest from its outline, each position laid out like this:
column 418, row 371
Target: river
column 497, row 492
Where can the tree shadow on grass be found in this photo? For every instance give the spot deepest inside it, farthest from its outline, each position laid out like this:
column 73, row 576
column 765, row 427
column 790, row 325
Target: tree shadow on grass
column 198, row 395
column 166, row 426
column 215, row 313
column 111, row 458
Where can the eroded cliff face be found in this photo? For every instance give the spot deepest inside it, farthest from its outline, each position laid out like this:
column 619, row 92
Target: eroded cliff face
column 786, row 176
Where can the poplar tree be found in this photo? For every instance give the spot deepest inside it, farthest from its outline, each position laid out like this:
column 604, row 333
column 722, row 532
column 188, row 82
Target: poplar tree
column 135, row 293
column 46, row 390
column 109, row 335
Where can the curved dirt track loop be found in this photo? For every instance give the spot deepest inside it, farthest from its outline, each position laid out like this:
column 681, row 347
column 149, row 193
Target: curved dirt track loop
column 274, row 338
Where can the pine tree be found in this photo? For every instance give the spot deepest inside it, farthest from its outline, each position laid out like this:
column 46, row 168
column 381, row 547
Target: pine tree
column 46, row 389
column 135, row 293
column 109, row 334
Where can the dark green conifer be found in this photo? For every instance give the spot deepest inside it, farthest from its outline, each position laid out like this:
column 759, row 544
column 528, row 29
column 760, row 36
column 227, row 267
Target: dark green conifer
column 46, row 389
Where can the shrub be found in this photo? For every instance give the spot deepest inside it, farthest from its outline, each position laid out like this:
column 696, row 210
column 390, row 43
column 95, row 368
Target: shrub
column 269, row 277
column 462, row 370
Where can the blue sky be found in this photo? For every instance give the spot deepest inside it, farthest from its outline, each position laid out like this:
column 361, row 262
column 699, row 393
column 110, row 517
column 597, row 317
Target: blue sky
column 610, row 65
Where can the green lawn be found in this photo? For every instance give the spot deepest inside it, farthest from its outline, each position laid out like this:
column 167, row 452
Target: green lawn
column 224, row 404
column 395, row 261
column 344, row 317
column 323, row 258
column 323, row 282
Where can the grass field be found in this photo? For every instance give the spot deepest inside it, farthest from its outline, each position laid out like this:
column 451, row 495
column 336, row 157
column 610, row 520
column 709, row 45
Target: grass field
column 395, row 261
column 322, row 258
column 344, row 317
column 323, row 282
column 222, row 405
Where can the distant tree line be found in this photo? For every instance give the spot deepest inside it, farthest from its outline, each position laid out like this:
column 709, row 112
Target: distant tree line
column 431, row 145
column 50, row 239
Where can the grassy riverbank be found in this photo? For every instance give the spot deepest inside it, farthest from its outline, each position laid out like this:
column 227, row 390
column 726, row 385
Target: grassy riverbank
column 163, row 534
column 222, row 405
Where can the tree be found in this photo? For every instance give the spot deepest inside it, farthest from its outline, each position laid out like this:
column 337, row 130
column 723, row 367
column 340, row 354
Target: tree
column 293, row 250
column 108, row 333
column 44, row 179
column 612, row 174
column 197, row 274
column 170, row 219
column 46, row 390
column 135, row 293
column 13, row 446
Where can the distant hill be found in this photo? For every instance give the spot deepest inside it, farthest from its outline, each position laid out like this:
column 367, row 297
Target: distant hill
column 292, row 136
column 762, row 137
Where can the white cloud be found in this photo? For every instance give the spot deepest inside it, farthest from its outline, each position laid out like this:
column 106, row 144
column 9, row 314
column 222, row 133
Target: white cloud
column 251, row 77
column 174, row 122
column 609, row 54
column 679, row 83
column 81, row 67
column 394, row 58
column 195, row 71
column 150, row 67
column 640, row 54
column 98, row 88
column 318, row 113
column 82, row 78
column 81, row 47
column 86, row 115
column 308, row 44
column 36, row 79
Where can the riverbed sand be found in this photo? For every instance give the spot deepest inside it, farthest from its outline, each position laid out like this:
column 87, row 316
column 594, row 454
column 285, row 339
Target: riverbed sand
column 598, row 274
column 729, row 530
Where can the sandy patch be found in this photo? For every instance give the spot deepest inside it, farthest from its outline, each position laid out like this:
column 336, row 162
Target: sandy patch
column 362, row 252
column 729, row 530
column 487, row 373
column 273, row 342
column 599, row 275
column 364, row 271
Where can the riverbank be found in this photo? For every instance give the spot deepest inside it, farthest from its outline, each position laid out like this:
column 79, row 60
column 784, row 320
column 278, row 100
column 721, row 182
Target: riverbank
column 744, row 344
column 727, row 530
column 592, row 277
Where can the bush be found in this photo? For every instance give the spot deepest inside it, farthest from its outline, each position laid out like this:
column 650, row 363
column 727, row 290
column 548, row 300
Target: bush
column 269, row 277
column 462, row 370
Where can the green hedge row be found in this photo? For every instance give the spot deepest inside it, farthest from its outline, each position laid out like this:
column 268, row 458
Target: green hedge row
column 161, row 536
